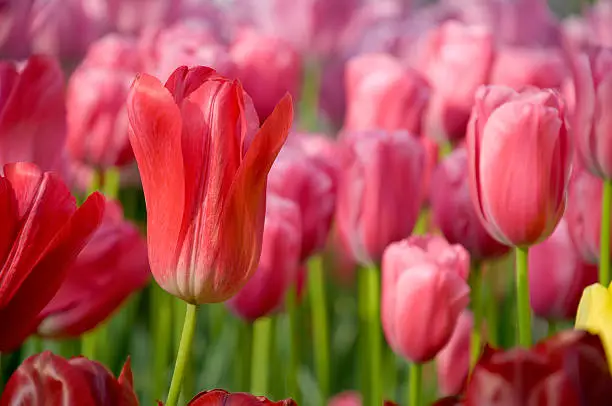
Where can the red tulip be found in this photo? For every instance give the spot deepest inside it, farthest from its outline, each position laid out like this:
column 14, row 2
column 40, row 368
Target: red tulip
column 97, row 115
column 42, row 233
column 219, row 397
column 379, row 190
column 278, row 266
column 351, row 398
column 557, row 276
column 453, row 361
column 382, row 94
column 453, row 211
column 203, row 163
column 583, row 214
column 48, row 379
column 302, row 179
column 569, row 369
column 518, row 67
column 423, row 284
column 456, row 60
column 32, row 113
column 592, row 74
column 268, row 67
column 519, row 204
column 90, row 292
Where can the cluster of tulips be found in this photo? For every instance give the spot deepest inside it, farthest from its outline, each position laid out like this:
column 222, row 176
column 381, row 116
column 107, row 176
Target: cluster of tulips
column 340, row 202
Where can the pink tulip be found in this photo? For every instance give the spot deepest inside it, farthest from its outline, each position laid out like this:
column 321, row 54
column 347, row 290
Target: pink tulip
column 332, row 94
column 432, row 155
column 351, row 398
column 518, row 67
column 33, row 113
column 15, row 17
column 592, row 125
column 321, row 148
column 519, row 204
column 453, row 211
column 453, row 361
column 114, row 51
column 302, row 179
column 278, row 266
column 557, row 276
column 583, row 214
column 91, row 292
column 268, row 67
column 598, row 19
column 379, row 190
column 133, row 16
column 455, row 59
column 382, row 94
column 423, row 284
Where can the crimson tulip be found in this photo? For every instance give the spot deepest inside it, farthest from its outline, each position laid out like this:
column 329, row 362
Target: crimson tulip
column 48, row 379
column 278, row 266
column 519, row 205
column 379, row 190
column 33, row 113
column 90, row 292
column 203, row 162
column 220, row 397
column 42, row 233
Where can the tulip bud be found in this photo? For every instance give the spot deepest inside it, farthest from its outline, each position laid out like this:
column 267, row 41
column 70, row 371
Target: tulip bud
column 592, row 73
column 453, row 211
column 302, row 179
column 41, row 233
column 33, row 113
column 90, row 292
column 518, row 67
column 583, row 214
column 453, row 361
column 382, row 94
column 379, row 190
column 268, row 67
column 423, row 284
column 519, row 205
column 278, row 266
column 52, row 380
column 455, row 59
column 557, row 276
column 220, row 397
column 204, row 163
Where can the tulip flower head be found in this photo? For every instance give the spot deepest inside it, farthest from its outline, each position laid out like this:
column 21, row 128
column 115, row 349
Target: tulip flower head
column 519, row 157
column 220, row 397
column 203, row 162
column 453, row 361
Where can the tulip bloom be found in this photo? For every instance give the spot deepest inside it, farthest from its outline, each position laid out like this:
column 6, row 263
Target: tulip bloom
column 517, row 67
column 456, row 59
column 382, row 94
column 278, row 266
column 595, row 315
column 41, row 234
column 220, row 397
column 518, row 204
column 453, row 361
column 48, row 379
column 423, row 284
column 453, row 211
column 351, row 398
column 557, row 276
column 268, row 67
column 90, row 292
column 569, row 368
column 379, row 190
column 32, row 113
column 302, row 179
column 204, row 163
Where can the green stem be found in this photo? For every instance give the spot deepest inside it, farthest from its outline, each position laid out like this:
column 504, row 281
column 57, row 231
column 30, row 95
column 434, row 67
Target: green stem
column 309, row 107
column 491, row 307
column 316, row 288
column 161, row 317
column 390, row 374
column 363, row 339
column 184, row 352
column 415, row 386
column 477, row 310
column 89, row 345
column 374, row 335
column 522, row 297
column 294, row 342
column 112, row 176
column 553, row 327
column 260, row 372
column 245, row 343
column 604, row 242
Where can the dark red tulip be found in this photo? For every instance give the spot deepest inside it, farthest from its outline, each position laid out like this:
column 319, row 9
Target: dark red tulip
column 41, row 234
column 220, row 397
column 568, row 369
column 91, row 292
column 449, row 401
column 46, row 379
column 32, row 113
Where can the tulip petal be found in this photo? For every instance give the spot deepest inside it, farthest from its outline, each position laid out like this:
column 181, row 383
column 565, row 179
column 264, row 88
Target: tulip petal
column 8, row 208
